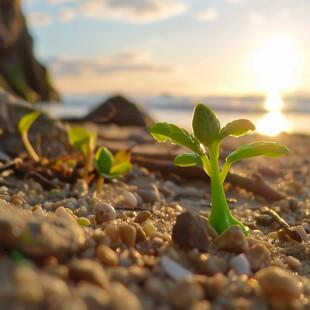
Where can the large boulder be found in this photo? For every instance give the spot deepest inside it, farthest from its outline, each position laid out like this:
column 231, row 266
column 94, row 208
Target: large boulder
column 20, row 72
column 120, row 111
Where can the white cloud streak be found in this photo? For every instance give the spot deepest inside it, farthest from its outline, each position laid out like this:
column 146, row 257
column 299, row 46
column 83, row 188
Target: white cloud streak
column 56, row 2
column 40, row 19
column 66, row 14
column 207, row 15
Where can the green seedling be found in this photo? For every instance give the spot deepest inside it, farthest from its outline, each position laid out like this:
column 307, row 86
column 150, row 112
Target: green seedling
column 85, row 143
column 205, row 143
column 110, row 167
column 23, row 126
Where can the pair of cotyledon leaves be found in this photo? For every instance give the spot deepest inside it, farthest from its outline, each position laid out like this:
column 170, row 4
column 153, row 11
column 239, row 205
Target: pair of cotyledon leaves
column 207, row 132
column 105, row 163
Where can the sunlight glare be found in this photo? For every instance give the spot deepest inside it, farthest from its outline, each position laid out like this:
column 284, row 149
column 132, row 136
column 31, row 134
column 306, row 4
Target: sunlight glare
column 273, row 102
column 275, row 63
column 273, row 123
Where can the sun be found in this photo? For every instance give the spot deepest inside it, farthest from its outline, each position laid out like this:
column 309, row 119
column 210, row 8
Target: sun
column 275, row 63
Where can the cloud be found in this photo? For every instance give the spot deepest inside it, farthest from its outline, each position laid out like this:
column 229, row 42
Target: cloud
column 128, row 71
column 55, row 2
column 237, row 1
column 257, row 18
column 66, row 14
column 126, row 61
column 207, row 15
column 40, row 19
column 134, row 11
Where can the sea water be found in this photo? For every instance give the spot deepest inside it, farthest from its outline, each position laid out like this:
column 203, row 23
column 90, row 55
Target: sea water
column 293, row 115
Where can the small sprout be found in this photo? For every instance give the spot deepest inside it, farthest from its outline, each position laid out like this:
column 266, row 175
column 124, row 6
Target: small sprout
column 111, row 167
column 23, row 126
column 84, row 142
column 208, row 136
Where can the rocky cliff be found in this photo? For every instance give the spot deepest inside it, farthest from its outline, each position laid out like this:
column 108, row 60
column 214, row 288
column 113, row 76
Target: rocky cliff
column 20, row 72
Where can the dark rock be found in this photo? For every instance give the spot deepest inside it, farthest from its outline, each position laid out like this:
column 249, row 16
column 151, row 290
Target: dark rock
column 190, row 231
column 149, row 193
column 53, row 134
column 38, row 236
column 118, row 110
column 20, row 72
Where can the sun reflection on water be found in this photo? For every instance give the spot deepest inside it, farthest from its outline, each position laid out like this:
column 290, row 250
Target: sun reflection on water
column 273, row 122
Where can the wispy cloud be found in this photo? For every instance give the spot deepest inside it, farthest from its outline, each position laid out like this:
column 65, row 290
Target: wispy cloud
column 207, row 15
column 257, row 18
column 66, row 14
column 40, row 19
column 120, row 62
column 54, row 2
column 135, row 11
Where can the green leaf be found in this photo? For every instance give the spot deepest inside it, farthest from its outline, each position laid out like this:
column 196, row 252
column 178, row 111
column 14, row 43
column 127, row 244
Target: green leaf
column 103, row 160
column 81, row 139
column 187, row 159
column 269, row 149
column 122, row 157
column 205, row 124
column 163, row 131
column 26, row 121
column 236, row 128
column 121, row 169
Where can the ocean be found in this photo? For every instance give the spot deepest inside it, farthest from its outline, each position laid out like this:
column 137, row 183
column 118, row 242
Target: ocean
column 270, row 115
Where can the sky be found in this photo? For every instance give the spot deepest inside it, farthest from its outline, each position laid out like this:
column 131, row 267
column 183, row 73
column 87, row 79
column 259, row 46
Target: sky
column 173, row 47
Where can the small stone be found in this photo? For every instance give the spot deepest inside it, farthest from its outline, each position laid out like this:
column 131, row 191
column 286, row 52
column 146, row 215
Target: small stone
column 143, row 216
column 232, row 240
column 301, row 232
column 173, row 269
column 66, row 214
column 149, row 193
column 130, row 199
column 148, row 228
column 293, row 262
column 88, row 270
column 185, row 293
column 83, row 221
column 190, row 231
column 156, row 287
column 240, row 264
column 123, row 299
column 106, row 255
column 27, row 287
column 211, row 231
column 258, row 256
column 104, row 212
column 112, row 231
column 128, row 234
column 209, row 264
column 278, row 283
column 263, row 219
column 140, row 234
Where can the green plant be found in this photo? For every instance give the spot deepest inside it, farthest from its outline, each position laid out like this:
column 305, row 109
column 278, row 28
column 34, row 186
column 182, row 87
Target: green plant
column 111, row 167
column 205, row 144
column 23, row 126
column 85, row 142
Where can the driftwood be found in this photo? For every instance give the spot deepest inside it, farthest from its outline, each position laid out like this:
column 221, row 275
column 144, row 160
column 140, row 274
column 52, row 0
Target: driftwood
column 166, row 167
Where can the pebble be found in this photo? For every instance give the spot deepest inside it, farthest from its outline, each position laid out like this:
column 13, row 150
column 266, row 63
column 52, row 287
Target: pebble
column 83, row 221
column 240, row 264
column 156, row 287
column 293, row 262
column 130, row 199
column 112, row 231
column 210, row 229
column 185, row 293
column 148, row 228
column 190, row 231
column 140, row 237
column 258, row 256
column 27, row 287
column 278, row 283
column 128, row 234
column 301, row 232
column 149, row 193
column 88, row 270
column 232, row 240
column 173, row 269
column 106, row 255
column 209, row 264
column 143, row 216
column 123, row 299
column 66, row 214
column 104, row 212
